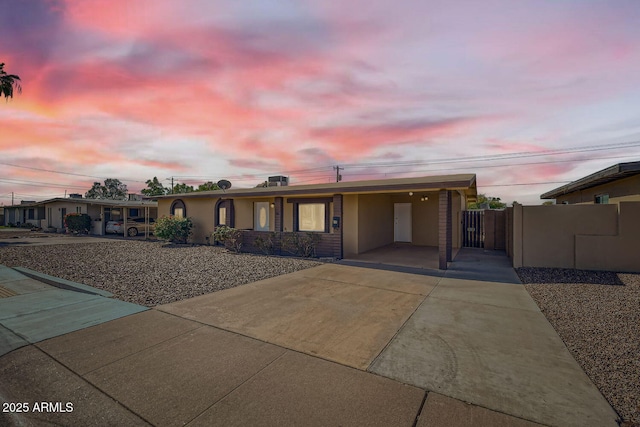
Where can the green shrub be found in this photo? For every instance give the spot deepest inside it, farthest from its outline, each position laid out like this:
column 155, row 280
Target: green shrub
column 267, row 243
column 172, row 229
column 77, row 223
column 300, row 244
column 231, row 238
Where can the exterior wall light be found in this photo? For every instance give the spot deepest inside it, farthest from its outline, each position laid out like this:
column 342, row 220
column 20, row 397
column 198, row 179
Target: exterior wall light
column 411, row 193
column 273, row 205
column 424, row 198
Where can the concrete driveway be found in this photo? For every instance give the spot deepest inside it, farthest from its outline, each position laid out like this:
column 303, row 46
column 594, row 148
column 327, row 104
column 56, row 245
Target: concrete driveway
column 339, row 313
column 331, row 345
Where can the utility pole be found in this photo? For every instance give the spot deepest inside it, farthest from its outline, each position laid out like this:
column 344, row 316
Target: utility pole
column 338, row 176
column 12, row 198
column 171, row 184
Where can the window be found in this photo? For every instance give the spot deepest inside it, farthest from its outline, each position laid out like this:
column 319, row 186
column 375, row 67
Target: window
column 78, row 209
column 133, row 212
column 222, row 215
column 31, row 214
column 311, row 217
column 261, row 216
column 178, row 209
column 602, row 199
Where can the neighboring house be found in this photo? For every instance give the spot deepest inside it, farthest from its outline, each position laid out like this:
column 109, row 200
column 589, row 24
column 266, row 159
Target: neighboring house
column 26, row 212
column 49, row 214
column 618, row 183
column 349, row 217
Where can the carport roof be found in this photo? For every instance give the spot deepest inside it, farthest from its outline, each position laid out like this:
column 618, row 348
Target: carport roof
column 103, row 202
column 465, row 182
column 615, row 172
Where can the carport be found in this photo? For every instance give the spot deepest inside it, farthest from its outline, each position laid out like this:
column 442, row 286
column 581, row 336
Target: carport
column 108, row 209
column 416, row 225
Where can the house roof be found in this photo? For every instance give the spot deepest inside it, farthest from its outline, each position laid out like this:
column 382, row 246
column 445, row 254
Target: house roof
column 103, row 202
column 613, row 173
column 466, row 182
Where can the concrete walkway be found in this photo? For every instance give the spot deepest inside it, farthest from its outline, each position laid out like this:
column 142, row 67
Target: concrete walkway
column 32, row 310
column 479, row 337
column 331, row 345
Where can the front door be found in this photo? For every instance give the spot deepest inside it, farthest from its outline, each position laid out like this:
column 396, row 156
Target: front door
column 402, row 222
column 63, row 213
column 261, row 216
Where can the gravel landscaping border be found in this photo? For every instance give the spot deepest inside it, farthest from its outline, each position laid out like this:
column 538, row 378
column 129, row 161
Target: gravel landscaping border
column 597, row 315
column 150, row 273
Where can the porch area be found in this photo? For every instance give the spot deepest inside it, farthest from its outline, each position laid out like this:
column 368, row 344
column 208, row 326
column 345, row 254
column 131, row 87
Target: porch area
column 403, row 255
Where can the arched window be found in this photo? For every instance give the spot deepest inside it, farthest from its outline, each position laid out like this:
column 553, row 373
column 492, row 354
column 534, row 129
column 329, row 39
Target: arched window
column 178, row 209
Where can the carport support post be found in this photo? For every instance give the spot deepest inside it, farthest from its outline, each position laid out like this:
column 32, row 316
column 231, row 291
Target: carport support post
column 444, row 229
column 278, row 213
column 337, row 230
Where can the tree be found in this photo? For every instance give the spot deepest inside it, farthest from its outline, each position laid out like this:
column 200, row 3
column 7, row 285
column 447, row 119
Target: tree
column 155, row 188
column 208, row 186
column 112, row 189
column 485, row 202
column 8, row 83
column 182, row 188
column 548, row 203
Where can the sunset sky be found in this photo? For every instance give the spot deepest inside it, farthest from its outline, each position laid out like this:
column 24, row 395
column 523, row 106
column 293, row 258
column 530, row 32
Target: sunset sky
column 518, row 92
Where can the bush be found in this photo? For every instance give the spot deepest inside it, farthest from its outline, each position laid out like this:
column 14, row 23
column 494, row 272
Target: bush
column 172, row 229
column 266, row 244
column 77, row 223
column 231, row 238
column 300, row 244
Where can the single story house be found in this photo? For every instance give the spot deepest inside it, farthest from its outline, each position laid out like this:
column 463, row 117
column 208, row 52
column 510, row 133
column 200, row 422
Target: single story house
column 49, row 214
column 618, row 183
column 349, row 217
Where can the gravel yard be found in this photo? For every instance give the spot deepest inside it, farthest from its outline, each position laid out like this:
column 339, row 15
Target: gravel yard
column 150, row 273
column 597, row 315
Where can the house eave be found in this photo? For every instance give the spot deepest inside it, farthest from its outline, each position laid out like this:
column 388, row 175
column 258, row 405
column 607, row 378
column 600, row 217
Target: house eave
column 450, row 182
column 613, row 173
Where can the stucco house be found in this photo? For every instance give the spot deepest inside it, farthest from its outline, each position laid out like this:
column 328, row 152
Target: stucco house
column 49, row 214
column 615, row 184
column 349, row 217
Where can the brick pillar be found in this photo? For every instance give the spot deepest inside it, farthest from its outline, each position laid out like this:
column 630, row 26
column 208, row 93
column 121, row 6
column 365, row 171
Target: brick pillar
column 449, row 226
column 337, row 212
column 278, row 215
column 445, row 230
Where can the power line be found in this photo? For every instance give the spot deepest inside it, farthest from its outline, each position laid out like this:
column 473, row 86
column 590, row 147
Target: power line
column 491, row 166
column 62, row 173
column 490, row 157
column 44, row 184
column 524, row 183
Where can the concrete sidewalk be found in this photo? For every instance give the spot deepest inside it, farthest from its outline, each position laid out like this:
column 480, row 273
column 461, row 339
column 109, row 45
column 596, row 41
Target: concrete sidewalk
column 156, row 368
column 33, row 311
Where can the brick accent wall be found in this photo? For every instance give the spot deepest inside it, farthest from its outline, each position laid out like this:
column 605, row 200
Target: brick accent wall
column 445, row 230
column 329, row 245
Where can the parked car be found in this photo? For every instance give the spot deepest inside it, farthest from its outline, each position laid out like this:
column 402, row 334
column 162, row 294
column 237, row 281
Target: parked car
column 135, row 226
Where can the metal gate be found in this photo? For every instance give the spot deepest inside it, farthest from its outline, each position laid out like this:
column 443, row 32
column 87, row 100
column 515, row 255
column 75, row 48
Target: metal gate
column 473, row 229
